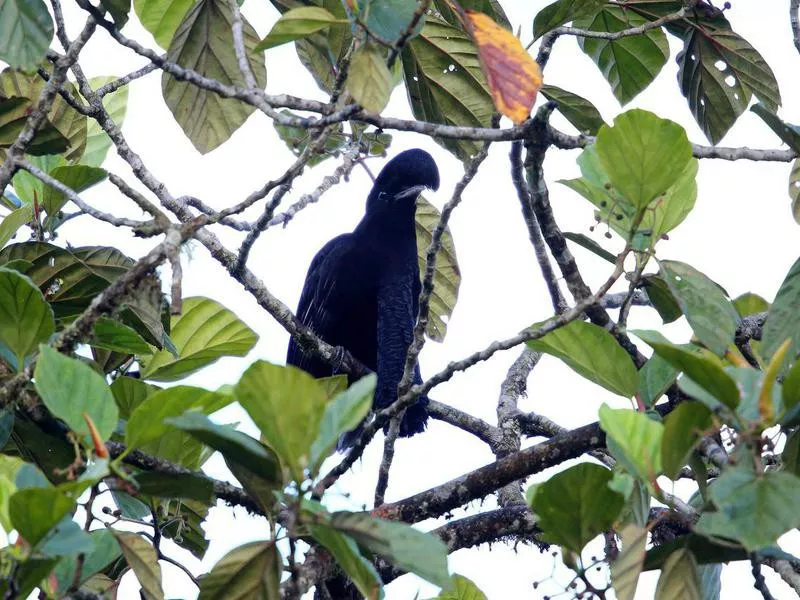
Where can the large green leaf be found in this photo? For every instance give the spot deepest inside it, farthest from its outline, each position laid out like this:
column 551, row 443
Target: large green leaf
column 26, row 30
column 76, row 177
column 14, row 112
column 71, row 389
column 342, row 414
column 683, row 429
column 117, row 337
column 105, row 551
column 655, row 377
column 643, row 155
column 576, row 505
column 97, row 141
column 296, row 24
column 26, row 319
column 35, row 511
column 420, row 553
column 711, row 315
column 12, row 222
column 754, row 509
column 249, row 571
column 637, row 437
column 204, row 332
column 204, row 42
column 679, row 579
column 389, row 19
column 789, row 134
column 130, row 393
column 142, row 558
column 162, row 17
column 446, row 277
column 563, row 11
column 146, row 423
column 718, row 73
column 360, row 570
column 186, row 486
column 783, row 321
column 592, row 352
column 577, row 110
column 445, row 83
column 287, row 405
column 369, row 80
column 631, row 63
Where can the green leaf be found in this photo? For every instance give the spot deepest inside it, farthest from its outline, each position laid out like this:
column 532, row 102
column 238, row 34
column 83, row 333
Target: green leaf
column 752, row 509
column 204, row 42
column 706, row 373
column 716, row 103
column 67, row 538
column 14, row 113
column 141, row 557
column 643, row 155
column 679, row 579
column 249, row 571
column 342, row 414
column 789, row 134
column 750, row 304
column 97, row 141
column 446, row 277
column 389, row 19
column 146, row 423
column 287, row 405
column 461, row 588
column 369, row 80
column 445, row 83
column 298, row 23
column 185, row 526
column 563, row 11
column 655, row 378
column 298, row 138
column 118, row 9
column 629, row 64
column 69, row 389
column 113, row 335
column 586, row 242
column 414, row 551
column 592, row 352
column 577, row 110
column 205, row 332
column 162, row 17
column 705, row 550
column 487, row 7
column 790, row 457
column 13, row 221
column 176, row 485
column 627, row 567
column 105, row 551
column 710, row 314
column 76, row 177
column 576, row 505
column 25, row 317
column 664, row 302
column 784, row 319
column 6, row 426
column 26, row 30
column 794, row 189
column 35, row 511
column 347, row 555
column 234, row 445
column 637, row 437
column 130, row 393
column 683, row 429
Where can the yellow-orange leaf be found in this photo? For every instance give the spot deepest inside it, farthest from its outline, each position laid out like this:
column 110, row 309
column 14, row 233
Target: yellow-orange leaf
column 514, row 78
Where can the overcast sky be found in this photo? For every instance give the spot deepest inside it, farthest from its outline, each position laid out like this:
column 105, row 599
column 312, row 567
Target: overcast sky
column 741, row 234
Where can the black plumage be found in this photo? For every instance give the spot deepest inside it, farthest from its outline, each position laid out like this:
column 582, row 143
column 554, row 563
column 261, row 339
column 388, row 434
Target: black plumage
column 362, row 288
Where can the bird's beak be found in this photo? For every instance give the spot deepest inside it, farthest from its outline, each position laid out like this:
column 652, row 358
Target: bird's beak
column 411, row 192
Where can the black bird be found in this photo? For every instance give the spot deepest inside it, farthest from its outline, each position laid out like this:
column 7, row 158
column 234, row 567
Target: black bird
column 362, row 288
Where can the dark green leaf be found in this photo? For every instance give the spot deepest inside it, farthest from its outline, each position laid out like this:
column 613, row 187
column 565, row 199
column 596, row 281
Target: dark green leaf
column 205, row 332
column 711, row 315
column 177, row 485
column 790, row 457
column 576, row 505
column 592, row 352
column 577, row 110
column 67, row 538
column 14, row 111
column 349, row 558
column 35, row 511
column 591, row 246
column 662, row 299
column 637, row 437
column 683, row 429
column 6, row 426
column 204, row 42
column 26, row 30
column 249, row 571
column 118, row 9
column 789, row 134
column 185, row 527
column 563, row 11
column 105, row 551
column 631, row 63
column 25, row 317
column 783, row 321
column 113, row 335
column 655, row 378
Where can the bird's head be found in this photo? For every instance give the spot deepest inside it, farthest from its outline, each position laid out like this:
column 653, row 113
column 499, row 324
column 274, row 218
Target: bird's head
column 402, row 180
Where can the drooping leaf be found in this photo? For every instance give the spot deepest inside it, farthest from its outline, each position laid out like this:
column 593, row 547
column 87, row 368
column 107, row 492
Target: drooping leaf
column 563, row 11
column 141, row 557
column 97, row 141
column 203, row 333
column 637, row 437
column 586, row 242
column 250, row 571
column 679, row 579
column 411, row 550
column 711, row 315
column 664, row 302
column 70, row 389
column 631, row 63
column 118, row 337
column 592, row 352
column 185, row 526
column 26, row 30
column 296, row 24
column 627, row 567
column 76, row 177
column 204, row 42
column 342, row 414
column 514, row 78
column 783, row 321
column 35, row 511
column 287, row 405
column 162, row 17
column 576, row 505
column 789, row 134
column 445, row 83
column 369, row 80
column 446, row 278
column 13, row 221
column 683, row 428
column 655, row 377
column 581, row 113
column 26, row 320
column 360, row 570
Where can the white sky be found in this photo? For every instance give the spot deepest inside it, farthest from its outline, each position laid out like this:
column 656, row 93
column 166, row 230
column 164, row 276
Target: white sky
column 741, row 233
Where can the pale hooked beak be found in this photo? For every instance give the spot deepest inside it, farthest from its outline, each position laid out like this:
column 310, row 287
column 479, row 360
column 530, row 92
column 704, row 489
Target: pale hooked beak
column 411, row 192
